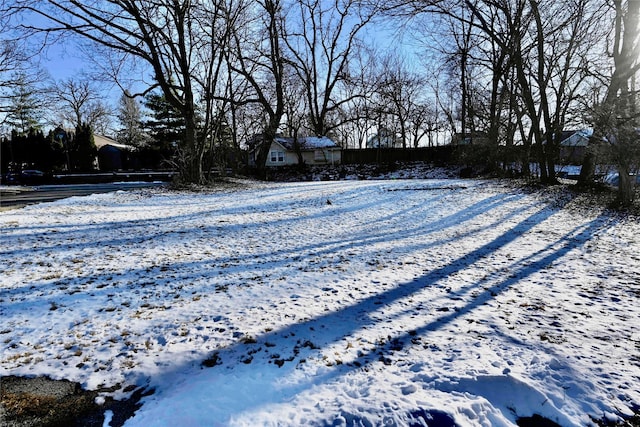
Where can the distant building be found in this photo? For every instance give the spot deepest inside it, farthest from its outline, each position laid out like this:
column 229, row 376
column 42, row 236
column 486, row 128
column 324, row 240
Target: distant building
column 111, row 155
column 314, row 150
column 470, row 138
column 385, row 138
column 573, row 145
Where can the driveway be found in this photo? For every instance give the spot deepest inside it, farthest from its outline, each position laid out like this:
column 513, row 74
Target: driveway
column 16, row 197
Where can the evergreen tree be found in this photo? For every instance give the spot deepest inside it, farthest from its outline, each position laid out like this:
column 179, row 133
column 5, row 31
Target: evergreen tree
column 82, row 149
column 26, row 110
column 166, row 125
column 57, row 150
column 6, row 155
column 32, row 150
column 166, row 128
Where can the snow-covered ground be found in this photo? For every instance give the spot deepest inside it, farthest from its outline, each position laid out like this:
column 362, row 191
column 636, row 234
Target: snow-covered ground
column 398, row 302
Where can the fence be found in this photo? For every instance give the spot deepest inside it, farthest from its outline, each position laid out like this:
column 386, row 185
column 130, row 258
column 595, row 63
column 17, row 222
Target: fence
column 438, row 155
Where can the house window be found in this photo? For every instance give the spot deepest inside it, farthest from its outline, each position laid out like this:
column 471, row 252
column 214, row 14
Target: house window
column 277, row 156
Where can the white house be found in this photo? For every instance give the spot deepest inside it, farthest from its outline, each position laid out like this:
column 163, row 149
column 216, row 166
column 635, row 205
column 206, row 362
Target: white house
column 315, row 150
column 385, row 138
column 573, row 145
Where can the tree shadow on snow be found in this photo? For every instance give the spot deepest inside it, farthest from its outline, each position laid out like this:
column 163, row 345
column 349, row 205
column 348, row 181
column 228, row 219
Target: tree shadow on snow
column 308, row 339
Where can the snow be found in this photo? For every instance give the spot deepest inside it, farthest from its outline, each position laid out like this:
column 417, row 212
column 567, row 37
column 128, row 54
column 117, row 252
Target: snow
column 307, row 142
column 395, row 302
column 319, row 142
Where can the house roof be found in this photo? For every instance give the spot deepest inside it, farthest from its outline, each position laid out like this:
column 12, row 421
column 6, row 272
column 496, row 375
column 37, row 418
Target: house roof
column 101, row 141
column 575, row 138
column 307, row 143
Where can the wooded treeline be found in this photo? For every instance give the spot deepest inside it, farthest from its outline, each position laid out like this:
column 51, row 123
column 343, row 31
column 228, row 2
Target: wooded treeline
column 517, row 72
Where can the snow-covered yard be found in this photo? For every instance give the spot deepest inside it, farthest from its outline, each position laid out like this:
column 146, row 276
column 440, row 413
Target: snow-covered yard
column 399, row 302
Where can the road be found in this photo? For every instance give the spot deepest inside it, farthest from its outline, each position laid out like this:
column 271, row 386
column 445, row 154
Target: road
column 12, row 197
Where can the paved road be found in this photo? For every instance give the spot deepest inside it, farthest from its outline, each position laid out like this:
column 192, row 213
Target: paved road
column 22, row 196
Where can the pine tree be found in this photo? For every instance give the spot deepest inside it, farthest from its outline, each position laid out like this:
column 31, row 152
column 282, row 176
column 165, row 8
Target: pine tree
column 166, row 128
column 166, row 125
column 26, row 111
column 83, row 149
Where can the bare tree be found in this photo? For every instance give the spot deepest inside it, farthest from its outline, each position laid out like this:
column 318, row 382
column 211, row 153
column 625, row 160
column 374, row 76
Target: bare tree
column 546, row 45
column 321, row 38
column 78, row 103
column 560, row 43
column 423, row 121
column 617, row 119
column 357, row 113
column 535, row 50
column 168, row 36
column 296, row 117
column 257, row 56
column 462, row 35
column 9, row 64
column 444, row 96
column 400, row 91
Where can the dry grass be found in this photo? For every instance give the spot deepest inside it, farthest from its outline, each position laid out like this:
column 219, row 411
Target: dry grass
column 49, row 411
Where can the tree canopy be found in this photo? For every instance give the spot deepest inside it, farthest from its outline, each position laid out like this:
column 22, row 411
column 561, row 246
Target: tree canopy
column 497, row 73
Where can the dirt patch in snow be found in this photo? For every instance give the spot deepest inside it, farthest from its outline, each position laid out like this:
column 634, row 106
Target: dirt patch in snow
column 43, row 402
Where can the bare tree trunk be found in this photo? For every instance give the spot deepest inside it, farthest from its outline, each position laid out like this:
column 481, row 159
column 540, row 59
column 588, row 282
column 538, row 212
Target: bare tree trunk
column 269, row 63
column 629, row 58
column 626, row 186
column 192, row 153
column 617, row 116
